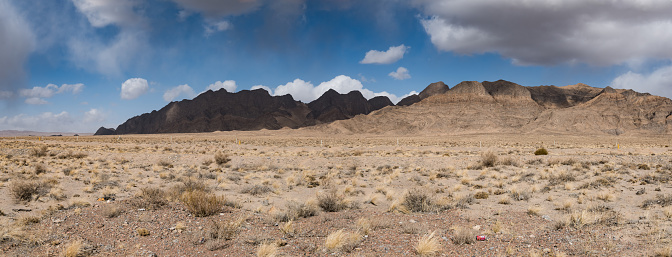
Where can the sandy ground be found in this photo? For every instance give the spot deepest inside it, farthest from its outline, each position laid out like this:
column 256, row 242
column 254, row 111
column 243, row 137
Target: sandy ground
column 590, row 196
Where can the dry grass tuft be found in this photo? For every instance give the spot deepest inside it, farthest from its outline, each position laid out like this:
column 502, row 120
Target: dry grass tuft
column 462, row 236
column 226, row 229
column 428, row 245
column 267, row 250
column 342, row 241
column 111, row 211
column 74, row 249
column 142, row 231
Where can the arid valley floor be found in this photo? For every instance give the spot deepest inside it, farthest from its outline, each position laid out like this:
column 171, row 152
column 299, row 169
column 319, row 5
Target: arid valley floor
column 290, row 193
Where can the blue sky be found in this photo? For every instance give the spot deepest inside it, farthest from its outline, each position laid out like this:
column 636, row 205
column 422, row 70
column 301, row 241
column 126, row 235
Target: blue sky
column 76, row 65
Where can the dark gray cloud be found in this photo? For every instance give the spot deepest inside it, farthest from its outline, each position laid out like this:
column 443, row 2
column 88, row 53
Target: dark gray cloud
column 16, row 43
column 552, row 32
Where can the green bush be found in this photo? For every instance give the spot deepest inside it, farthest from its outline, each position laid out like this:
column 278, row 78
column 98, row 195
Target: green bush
column 541, row 151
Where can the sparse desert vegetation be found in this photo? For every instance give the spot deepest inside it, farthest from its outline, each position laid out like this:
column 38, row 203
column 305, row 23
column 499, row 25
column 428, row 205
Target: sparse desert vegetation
column 287, row 194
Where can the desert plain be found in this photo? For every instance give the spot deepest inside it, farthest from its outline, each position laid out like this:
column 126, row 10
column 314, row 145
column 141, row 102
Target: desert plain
column 306, row 193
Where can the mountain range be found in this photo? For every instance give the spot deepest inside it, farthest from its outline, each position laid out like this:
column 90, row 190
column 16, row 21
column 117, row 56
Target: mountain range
column 468, row 107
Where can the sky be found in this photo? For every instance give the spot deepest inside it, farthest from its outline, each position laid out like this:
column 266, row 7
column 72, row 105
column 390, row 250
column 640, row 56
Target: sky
column 76, row 65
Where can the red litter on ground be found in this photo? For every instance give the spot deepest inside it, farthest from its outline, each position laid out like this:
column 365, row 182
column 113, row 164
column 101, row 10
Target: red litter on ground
column 480, row 238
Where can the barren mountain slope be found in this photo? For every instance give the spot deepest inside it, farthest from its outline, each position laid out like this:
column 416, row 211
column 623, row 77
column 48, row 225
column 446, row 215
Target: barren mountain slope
column 505, row 107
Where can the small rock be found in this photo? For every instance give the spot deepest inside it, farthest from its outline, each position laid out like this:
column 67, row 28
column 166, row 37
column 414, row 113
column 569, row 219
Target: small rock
column 412, row 221
column 546, row 217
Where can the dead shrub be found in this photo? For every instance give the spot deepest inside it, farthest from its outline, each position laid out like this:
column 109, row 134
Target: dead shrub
column 256, row 190
column 297, row 210
column 489, row 159
column 331, row 201
column 481, row 195
column 662, row 200
column 221, row 159
column 40, row 152
column 202, row 204
column 26, row 190
column 153, row 197
column 417, row 200
column 39, row 169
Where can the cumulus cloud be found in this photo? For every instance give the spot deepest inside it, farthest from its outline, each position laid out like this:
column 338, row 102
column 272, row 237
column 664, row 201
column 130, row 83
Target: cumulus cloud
column 552, row 32
column 17, row 43
column 220, row 8
column 35, row 95
column 133, row 88
column 55, row 122
column 94, row 116
column 108, row 58
column 111, row 54
column 181, row 90
column 229, row 85
column 400, row 74
column 658, row 82
column 101, row 13
column 392, row 55
column 307, row 92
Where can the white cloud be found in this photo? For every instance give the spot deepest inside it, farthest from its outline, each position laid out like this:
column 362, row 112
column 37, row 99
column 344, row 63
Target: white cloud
column 94, row 116
column 299, row 89
column 184, row 90
column 220, row 8
column 215, row 26
column 400, row 74
column 74, row 88
column 392, row 55
column 229, row 85
column 594, row 32
column 41, row 92
column 36, row 101
column 35, row 94
column 52, row 122
column 307, row 92
column 658, row 82
column 270, row 91
column 133, row 88
column 17, row 43
column 55, row 122
column 101, row 13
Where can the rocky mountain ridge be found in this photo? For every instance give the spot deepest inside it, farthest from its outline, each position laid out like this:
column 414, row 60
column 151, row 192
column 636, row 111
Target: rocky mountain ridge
column 468, row 107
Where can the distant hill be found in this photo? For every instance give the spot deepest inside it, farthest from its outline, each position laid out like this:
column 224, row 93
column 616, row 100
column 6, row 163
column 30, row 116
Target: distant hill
column 247, row 110
column 468, row 107
column 20, row 133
